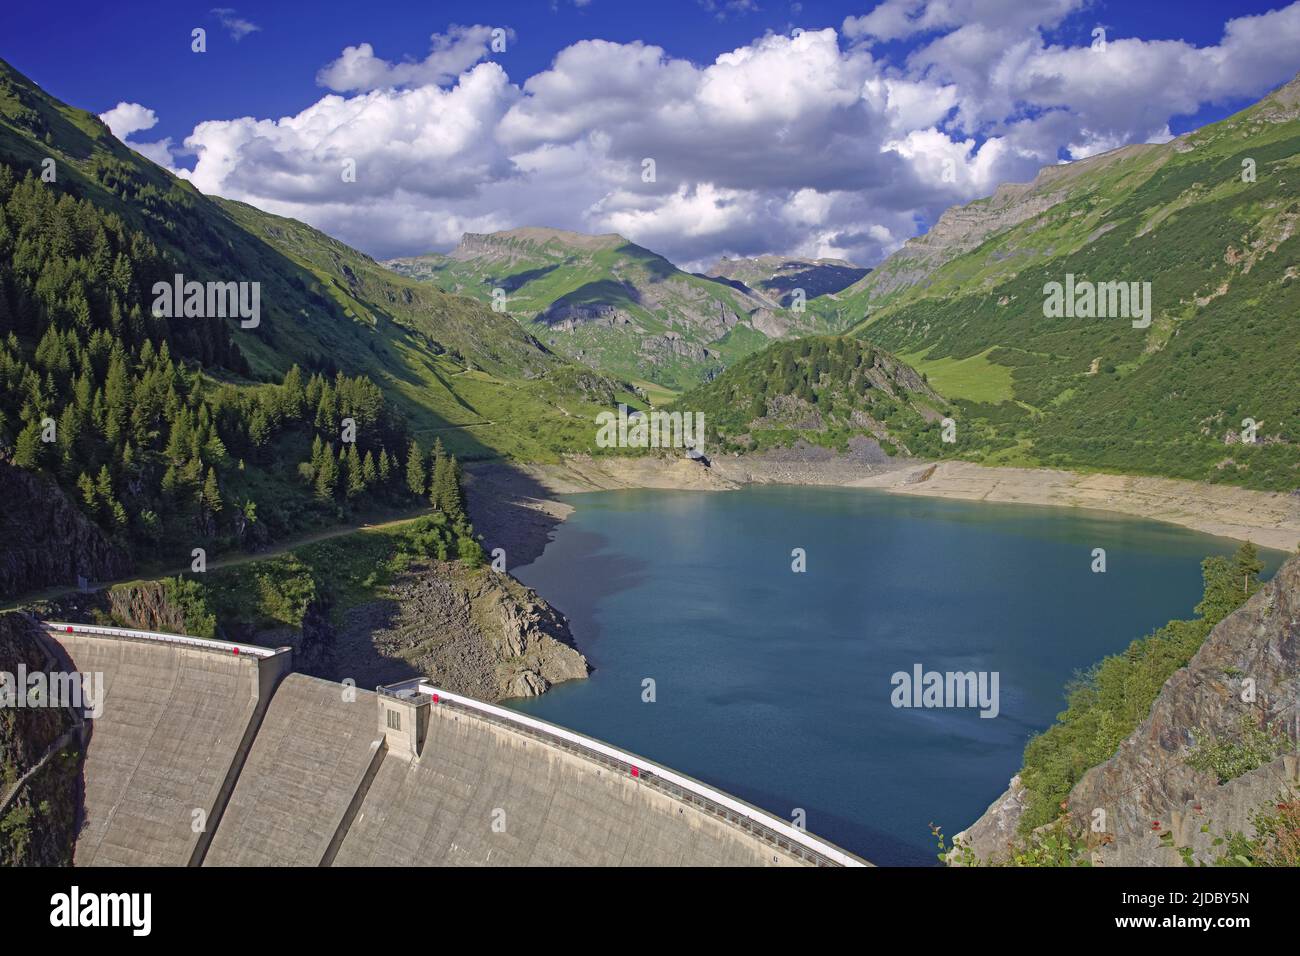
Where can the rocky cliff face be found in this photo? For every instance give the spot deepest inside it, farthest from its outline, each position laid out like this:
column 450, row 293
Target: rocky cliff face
column 475, row 632
column 47, row 541
column 141, row 604
column 39, row 759
column 472, row 631
column 963, row 228
column 145, row 606
column 1247, row 669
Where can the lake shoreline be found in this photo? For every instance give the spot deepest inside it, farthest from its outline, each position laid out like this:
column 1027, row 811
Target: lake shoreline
column 520, row 512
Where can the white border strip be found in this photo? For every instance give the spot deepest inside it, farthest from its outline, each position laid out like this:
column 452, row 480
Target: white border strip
column 252, row 650
column 791, row 833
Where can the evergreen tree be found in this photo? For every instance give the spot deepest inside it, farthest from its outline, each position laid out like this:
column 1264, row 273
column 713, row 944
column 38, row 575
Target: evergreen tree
column 449, row 493
column 356, row 482
column 1229, row 583
column 416, row 478
column 87, row 489
column 438, row 471
column 327, row 475
column 259, row 429
column 1248, row 567
column 295, row 398
column 29, row 449
column 212, row 493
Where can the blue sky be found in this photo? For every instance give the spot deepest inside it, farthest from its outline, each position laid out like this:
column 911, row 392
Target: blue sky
column 839, row 201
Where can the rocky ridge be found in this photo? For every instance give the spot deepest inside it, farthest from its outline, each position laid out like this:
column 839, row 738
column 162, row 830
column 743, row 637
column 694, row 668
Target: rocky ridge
column 1152, row 801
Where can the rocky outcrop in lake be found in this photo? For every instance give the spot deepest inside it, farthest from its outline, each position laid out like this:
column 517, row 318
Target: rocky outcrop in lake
column 472, row 631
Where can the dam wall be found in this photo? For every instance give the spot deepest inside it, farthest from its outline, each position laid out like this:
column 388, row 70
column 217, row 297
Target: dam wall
column 289, row 770
column 312, row 755
column 483, row 794
column 162, row 757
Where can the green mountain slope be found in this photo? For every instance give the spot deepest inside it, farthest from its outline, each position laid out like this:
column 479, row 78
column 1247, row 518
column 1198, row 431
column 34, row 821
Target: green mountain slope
column 826, row 390
column 172, row 433
column 613, row 304
column 965, row 303
column 324, row 305
column 470, row 376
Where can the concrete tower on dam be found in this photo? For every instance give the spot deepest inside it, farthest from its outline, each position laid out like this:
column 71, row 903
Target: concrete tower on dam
column 217, row 754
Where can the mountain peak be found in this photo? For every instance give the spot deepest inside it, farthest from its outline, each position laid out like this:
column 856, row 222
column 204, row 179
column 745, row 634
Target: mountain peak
column 1286, row 96
column 475, row 242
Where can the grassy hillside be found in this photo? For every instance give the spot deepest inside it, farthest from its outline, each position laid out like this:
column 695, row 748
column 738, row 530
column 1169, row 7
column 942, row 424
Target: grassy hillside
column 613, row 304
column 173, row 433
column 965, row 303
column 324, row 306
column 822, row 390
column 465, row 374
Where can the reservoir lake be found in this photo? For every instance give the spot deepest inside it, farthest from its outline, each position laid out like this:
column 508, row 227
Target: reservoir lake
column 776, row 686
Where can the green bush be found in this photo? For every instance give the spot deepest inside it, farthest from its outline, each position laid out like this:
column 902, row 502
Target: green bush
column 1229, row 759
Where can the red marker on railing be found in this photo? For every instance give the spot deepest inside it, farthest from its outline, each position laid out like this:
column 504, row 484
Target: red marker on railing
column 636, row 772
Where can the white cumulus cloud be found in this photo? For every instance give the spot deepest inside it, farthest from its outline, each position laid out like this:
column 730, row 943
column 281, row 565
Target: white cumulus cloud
column 815, row 143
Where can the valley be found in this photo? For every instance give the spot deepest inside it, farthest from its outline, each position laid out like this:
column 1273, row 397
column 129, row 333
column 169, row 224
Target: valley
column 436, row 467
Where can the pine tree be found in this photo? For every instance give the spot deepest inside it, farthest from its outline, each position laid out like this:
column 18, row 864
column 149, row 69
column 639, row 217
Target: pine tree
column 368, row 474
column 170, row 481
column 416, row 478
column 295, row 398
column 212, row 493
column 449, row 494
column 259, row 429
column 327, row 475
column 29, row 449
column 356, row 482
column 385, row 467
column 438, row 484
column 1248, row 567
column 87, row 489
column 105, row 499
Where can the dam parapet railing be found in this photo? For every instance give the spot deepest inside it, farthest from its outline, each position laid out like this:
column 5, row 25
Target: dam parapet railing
column 201, row 643
column 759, row 823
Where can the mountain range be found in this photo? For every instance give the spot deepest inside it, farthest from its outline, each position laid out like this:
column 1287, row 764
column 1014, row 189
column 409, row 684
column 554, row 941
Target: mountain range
column 1208, row 391
column 625, row 310
column 510, row 345
column 447, row 362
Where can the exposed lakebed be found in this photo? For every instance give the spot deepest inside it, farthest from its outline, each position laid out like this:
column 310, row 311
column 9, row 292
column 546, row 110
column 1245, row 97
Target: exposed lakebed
column 775, row 685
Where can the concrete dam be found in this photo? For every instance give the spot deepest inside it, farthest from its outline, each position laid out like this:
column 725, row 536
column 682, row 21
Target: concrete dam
column 210, row 753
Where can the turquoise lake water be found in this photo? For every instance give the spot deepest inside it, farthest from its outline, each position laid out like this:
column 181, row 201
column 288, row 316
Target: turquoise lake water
column 775, row 685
